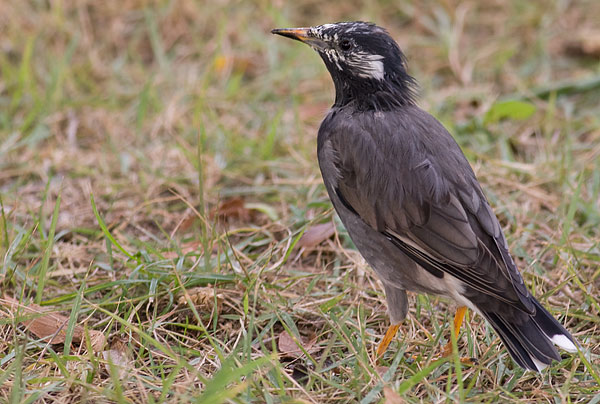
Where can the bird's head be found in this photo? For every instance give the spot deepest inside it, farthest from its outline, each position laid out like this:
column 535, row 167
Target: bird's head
column 366, row 64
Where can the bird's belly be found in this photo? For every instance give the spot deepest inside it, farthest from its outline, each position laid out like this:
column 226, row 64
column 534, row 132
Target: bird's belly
column 390, row 263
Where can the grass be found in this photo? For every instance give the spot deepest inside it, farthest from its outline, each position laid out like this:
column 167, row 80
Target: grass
column 158, row 168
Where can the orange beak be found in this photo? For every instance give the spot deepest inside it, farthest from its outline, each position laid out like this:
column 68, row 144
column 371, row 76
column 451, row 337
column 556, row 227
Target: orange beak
column 302, row 35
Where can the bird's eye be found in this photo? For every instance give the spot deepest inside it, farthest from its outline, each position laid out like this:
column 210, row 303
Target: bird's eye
column 345, row 44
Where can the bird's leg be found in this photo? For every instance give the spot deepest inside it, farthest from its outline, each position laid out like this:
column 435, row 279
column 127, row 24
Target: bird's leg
column 387, row 338
column 397, row 303
column 458, row 320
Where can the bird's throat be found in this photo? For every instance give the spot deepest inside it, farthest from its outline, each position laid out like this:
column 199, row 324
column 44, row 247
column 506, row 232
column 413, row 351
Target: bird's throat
column 373, row 95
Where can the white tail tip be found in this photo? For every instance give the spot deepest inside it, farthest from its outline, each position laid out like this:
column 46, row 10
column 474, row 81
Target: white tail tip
column 564, row 342
column 539, row 365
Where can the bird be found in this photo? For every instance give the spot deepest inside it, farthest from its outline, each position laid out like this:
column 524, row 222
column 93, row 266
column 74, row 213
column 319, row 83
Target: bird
column 410, row 200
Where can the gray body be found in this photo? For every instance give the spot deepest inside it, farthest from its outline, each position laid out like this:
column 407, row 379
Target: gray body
column 399, row 163
column 398, row 272
column 409, row 198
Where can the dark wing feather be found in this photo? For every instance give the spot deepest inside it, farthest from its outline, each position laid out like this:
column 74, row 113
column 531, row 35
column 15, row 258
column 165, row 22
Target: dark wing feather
column 404, row 175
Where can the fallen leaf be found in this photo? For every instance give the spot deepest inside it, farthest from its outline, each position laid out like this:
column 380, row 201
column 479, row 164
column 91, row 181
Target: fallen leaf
column 233, row 208
column 316, row 234
column 391, row 397
column 381, row 370
column 50, row 326
column 584, row 43
column 288, row 346
column 188, row 222
column 97, row 339
column 118, row 357
column 203, row 297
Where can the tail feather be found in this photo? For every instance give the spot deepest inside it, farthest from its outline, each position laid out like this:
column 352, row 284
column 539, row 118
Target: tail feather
column 514, row 348
column 530, row 339
column 553, row 329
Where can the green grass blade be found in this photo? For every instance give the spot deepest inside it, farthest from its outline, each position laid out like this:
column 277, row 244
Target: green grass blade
column 73, row 318
column 219, row 389
column 420, row 375
column 105, row 230
column 41, row 275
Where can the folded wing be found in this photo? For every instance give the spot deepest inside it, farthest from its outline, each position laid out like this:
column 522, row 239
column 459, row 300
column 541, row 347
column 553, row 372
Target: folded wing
column 427, row 201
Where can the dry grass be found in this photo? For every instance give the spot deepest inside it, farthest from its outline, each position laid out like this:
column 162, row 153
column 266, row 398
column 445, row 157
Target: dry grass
column 194, row 130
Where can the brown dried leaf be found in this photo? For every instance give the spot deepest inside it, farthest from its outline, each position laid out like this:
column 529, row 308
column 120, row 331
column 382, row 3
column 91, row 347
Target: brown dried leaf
column 288, row 347
column 49, row 326
column 203, row 298
column 97, row 339
column 585, row 43
column 381, row 370
column 391, row 397
column 316, row 235
column 233, row 208
column 188, row 222
column 120, row 356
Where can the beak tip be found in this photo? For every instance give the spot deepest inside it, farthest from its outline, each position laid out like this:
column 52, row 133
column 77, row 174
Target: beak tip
column 299, row 34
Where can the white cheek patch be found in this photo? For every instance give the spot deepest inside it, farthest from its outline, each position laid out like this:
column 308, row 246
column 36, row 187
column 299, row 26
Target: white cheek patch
column 368, row 65
column 375, row 70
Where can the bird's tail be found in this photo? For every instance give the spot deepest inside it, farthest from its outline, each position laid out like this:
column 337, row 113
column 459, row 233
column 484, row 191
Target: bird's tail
column 530, row 339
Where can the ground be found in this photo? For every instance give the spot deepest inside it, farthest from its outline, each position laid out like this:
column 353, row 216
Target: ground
column 160, row 198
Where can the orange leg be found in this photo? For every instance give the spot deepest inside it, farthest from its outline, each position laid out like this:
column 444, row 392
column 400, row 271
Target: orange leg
column 388, row 337
column 447, row 350
column 458, row 320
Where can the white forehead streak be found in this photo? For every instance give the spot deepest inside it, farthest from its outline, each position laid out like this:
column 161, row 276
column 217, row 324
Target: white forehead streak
column 327, row 26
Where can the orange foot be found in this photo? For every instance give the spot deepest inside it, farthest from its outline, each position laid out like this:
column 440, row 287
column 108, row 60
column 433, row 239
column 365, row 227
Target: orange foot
column 387, row 338
column 458, row 320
